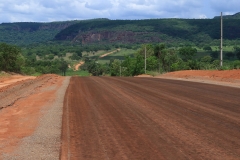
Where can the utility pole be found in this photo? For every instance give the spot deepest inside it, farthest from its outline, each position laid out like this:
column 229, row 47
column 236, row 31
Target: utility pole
column 145, row 60
column 221, row 52
column 120, row 68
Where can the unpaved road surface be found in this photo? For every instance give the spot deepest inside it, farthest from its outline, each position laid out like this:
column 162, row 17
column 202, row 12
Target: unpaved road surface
column 149, row 118
column 106, row 54
column 78, row 65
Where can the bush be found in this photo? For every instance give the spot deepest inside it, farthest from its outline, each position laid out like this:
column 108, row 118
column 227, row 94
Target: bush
column 236, row 64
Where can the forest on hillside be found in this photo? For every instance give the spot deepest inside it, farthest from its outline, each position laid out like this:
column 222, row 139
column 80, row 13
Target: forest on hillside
column 171, row 45
column 195, row 31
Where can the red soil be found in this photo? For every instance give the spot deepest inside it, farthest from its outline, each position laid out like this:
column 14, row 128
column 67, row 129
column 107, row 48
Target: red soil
column 226, row 75
column 149, row 118
column 7, row 80
column 21, row 118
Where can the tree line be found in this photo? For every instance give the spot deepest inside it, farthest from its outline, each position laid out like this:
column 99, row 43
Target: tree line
column 160, row 58
column 12, row 60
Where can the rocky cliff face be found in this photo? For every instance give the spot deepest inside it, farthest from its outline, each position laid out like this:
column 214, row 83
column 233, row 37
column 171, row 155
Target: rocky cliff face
column 119, row 36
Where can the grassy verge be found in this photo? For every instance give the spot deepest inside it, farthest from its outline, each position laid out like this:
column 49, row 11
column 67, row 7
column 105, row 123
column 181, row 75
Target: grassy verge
column 36, row 74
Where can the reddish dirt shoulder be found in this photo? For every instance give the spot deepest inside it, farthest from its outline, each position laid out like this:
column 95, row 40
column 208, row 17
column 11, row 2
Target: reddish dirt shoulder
column 21, row 118
column 8, row 80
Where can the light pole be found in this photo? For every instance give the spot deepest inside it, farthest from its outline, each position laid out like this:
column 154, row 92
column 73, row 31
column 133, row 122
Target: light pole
column 145, row 67
column 221, row 48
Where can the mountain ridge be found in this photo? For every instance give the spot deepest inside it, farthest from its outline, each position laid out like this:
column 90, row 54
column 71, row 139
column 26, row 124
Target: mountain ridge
column 103, row 30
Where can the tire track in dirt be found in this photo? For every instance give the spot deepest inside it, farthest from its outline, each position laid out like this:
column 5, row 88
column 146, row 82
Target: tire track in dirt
column 143, row 118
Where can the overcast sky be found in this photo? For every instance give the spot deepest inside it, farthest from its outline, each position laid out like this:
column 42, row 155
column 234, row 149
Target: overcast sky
column 61, row 10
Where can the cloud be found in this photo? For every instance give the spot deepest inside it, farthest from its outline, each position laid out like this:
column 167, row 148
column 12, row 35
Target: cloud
column 59, row 10
column 231, row 6
column 99, row 5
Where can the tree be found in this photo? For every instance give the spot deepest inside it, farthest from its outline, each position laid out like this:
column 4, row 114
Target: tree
column 215, row 54
column 159, row 51
column 207, row 48
column 152, row 63
column 149, row 50
column 187, row 53
column 138, row 65
column 63, row 67
column 9, row 56
column 229, row 55
column 205, row 62
column 170, row 58
column 237, row 52
column 115, row 67
column 206, row 59
column 75, row 56
column 236, row 64
column 79, row 53
column 93, row 67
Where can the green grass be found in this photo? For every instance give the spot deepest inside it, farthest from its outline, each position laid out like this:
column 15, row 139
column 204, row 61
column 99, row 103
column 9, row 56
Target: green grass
column 3, row 74
column 226, row 48
column 201, row 54
column 91, row 54
column 36, row 74
column 153, row 73
column 77, row 73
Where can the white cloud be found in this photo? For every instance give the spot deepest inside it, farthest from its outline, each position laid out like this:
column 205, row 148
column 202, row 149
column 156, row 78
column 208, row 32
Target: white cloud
column 228, row 7
column 55, row 10
column 202, row 16
column 99, row 5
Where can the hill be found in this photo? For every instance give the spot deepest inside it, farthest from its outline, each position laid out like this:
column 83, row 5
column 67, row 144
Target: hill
column 25, row 33
column 105, row 31
column 235, row 16
column 152, row 30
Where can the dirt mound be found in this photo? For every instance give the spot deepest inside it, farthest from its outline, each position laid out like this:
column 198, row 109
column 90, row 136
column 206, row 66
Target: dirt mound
column 226, row 75
column 10, row 79
column 235, row 74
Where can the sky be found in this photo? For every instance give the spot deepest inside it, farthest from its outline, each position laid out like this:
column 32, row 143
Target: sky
column 62, row 10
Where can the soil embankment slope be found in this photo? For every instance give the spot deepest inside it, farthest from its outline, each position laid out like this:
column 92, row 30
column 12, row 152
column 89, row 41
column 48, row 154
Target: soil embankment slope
column 225, row 77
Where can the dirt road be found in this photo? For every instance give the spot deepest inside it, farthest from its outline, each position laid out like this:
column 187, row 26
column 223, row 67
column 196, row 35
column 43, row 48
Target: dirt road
column 78, row 65
column 148, row 118
column 106, row 54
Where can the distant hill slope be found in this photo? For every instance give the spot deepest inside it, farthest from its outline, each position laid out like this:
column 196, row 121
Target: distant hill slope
column 99, row 31
column 235, row 16
column 153, row 30
column 24, row 33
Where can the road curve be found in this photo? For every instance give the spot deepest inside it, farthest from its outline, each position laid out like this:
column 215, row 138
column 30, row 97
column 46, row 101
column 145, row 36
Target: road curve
column 147, row 118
